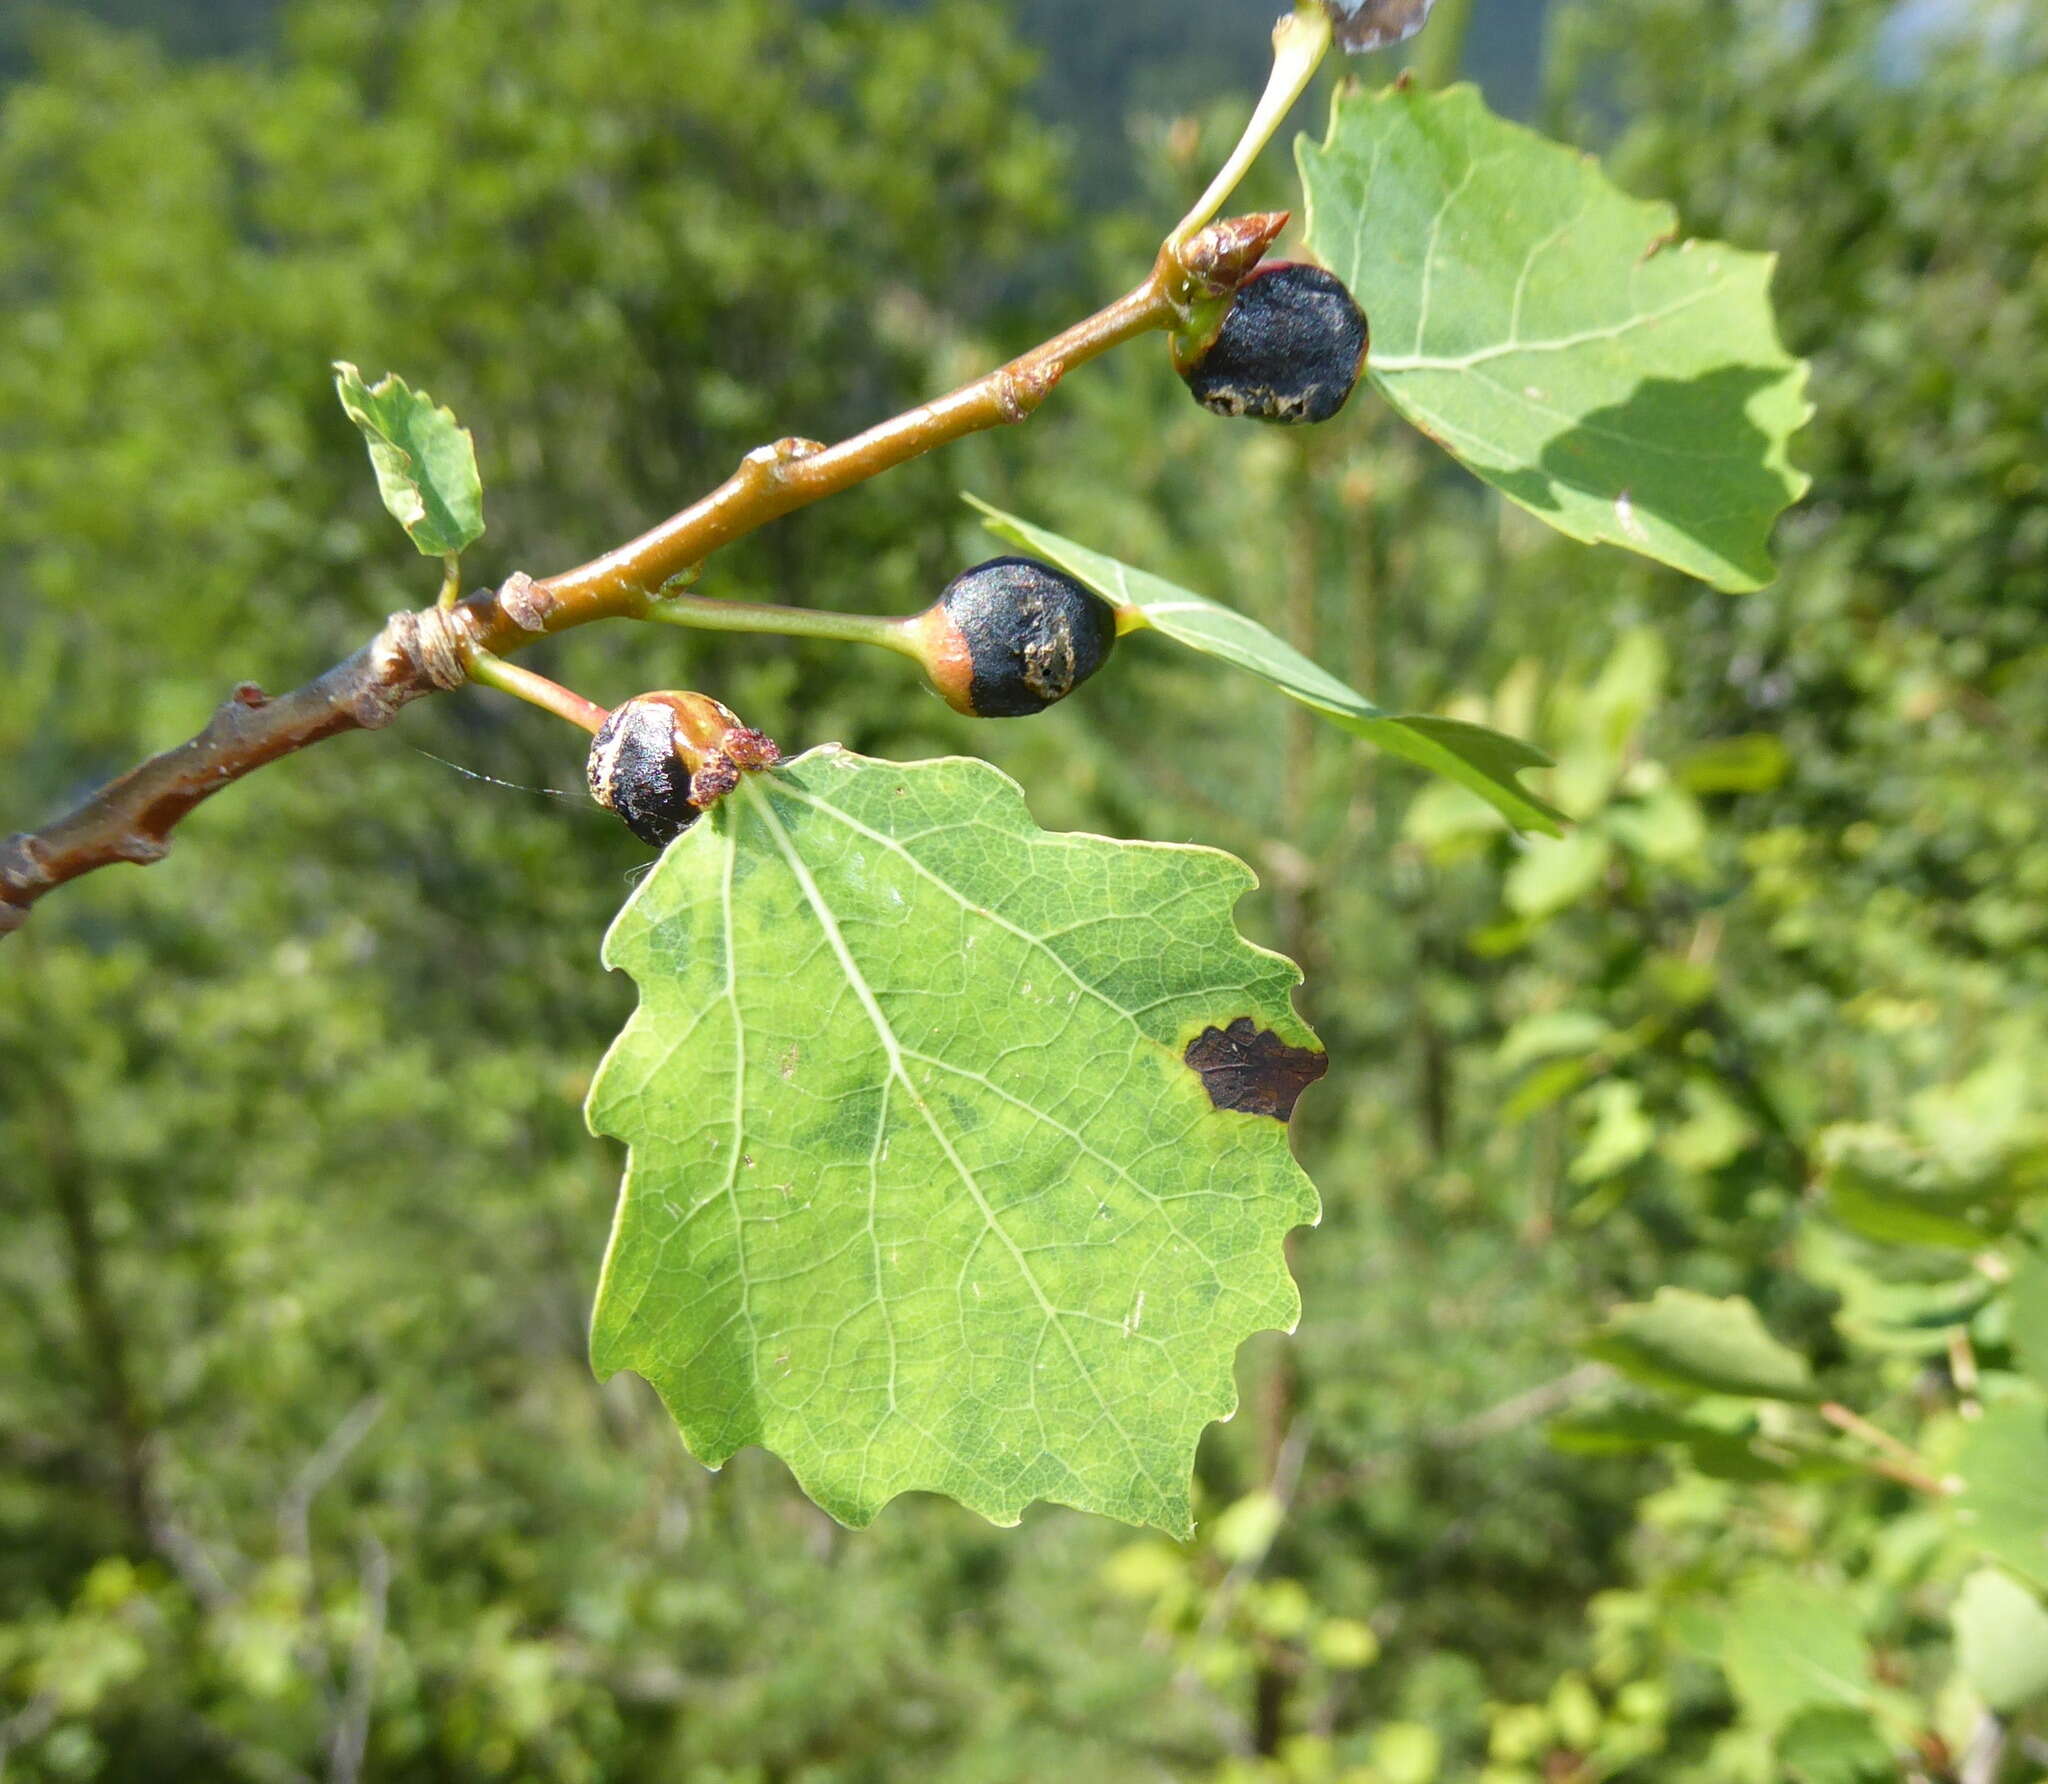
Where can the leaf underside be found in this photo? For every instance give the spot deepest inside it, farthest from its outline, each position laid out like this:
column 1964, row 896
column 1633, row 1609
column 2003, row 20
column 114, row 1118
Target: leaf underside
column 425, row 462
column 923, row 1192
column 1485, row 761
column 1555, row 335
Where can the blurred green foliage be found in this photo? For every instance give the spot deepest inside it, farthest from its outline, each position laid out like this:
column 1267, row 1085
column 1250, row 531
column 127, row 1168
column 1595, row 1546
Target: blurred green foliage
column 298, row 1443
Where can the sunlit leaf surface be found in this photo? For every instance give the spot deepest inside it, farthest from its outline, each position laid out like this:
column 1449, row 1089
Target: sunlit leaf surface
column 1556, row 335
column 930, row 1187
column 425, row 462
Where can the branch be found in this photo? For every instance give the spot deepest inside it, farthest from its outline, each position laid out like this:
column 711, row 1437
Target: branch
column 28, row 1725
column 429, row 651
column 1985, row 1756
column 351, row 1737
column 295, row 1508
column 131, row 819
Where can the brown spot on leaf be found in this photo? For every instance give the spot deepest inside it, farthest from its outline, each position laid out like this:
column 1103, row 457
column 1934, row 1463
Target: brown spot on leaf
column 1252, row 1070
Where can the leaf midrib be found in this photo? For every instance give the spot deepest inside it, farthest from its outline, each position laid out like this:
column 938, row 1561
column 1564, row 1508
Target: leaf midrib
column 761, row 805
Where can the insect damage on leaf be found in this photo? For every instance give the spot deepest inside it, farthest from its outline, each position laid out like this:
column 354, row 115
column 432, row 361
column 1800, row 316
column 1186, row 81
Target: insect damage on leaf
column 1252, row 1070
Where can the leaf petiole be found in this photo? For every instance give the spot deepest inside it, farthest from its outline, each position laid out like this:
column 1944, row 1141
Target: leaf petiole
column 536, row 690
column 1300, row 41
column 701, row 613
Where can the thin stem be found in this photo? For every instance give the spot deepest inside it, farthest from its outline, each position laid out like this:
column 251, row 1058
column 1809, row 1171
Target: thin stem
column 705, row 615
column 1300, row 41
column 451, row 580
column 1900, row 1461
column 537, row 690
column 99, row 1319
column 791, row 474
column 1962, row 1368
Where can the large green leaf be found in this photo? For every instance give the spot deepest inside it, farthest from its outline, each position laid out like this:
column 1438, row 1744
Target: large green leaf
column 1486, row 761
column 1790, row 1643
column 1556, row 336
column 934, row 1178
column 1693, row 1344
column 1833, row 1744
column 2003, row 1464
column 425, row 462
column 2027, row 1318
column 2001, row 1640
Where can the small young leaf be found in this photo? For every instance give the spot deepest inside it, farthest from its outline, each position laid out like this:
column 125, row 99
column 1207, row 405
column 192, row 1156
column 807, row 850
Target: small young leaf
column 1619, row 1132
column 924, row 1193
column 2001, row 1640
column 1555, row 335
column 425, row 463
column 1483, row 760
column 1690, row 1343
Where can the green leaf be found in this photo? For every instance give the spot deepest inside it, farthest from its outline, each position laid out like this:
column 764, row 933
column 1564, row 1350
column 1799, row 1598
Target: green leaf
column 1788, row 1644
column 1907, row 1302
column 1407, row 1753
column 1620, row 1429
column 1620, row 1131
column 1552, row 875
column 1833, row 1744
column 2026, row 1299
column 1753, row 763
column 2001, row 1640
column 1550, row 1032
column 1483, row 760
column 2003, row 1507
column 1555, row 336
column 1690, row 1343
column 1720, row 1453
column 1892, row 1207
column 425, row 463
column 1715, row 1133
column 924, row 1192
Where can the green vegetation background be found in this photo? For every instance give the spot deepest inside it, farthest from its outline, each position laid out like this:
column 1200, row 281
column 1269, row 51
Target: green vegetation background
column 299, row 1449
